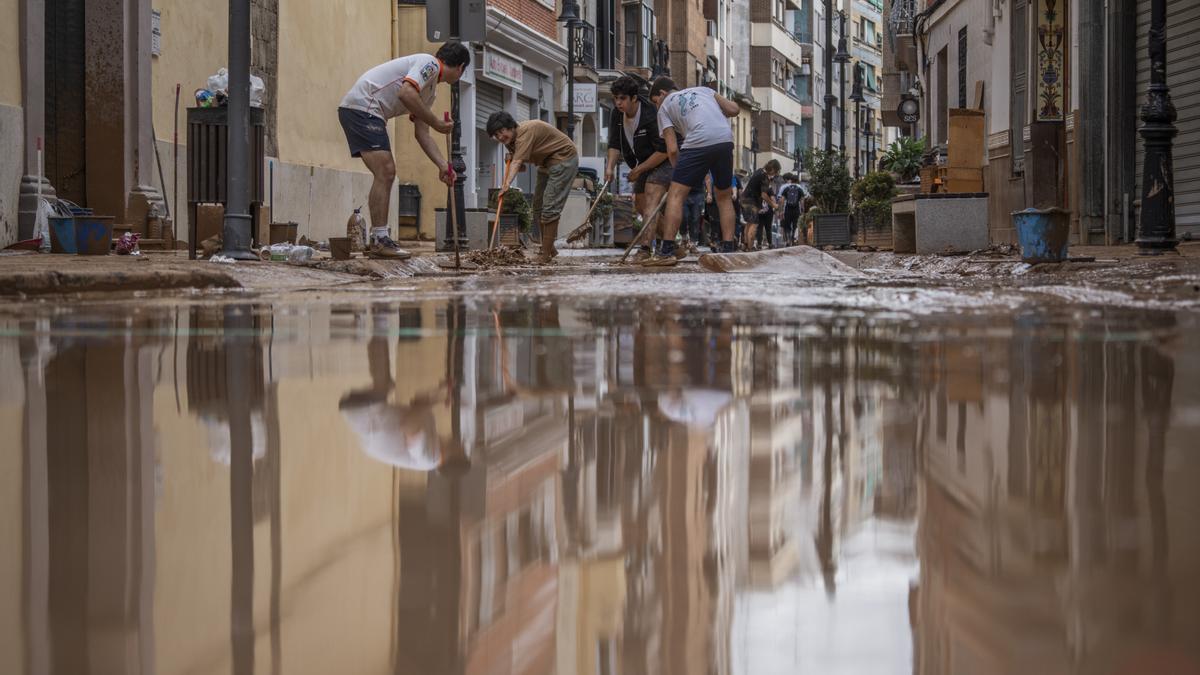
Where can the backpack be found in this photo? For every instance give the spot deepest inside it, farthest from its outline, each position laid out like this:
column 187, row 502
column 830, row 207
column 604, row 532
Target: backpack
column 792, row 195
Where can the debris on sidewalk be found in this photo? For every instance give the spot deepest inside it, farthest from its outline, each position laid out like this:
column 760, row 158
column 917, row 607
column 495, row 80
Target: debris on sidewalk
column 501, row 256
column 128, row 244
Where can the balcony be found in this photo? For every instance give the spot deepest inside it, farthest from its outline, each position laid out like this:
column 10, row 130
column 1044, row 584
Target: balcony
column 774, row 35
column 585, row 44
column 787, row 106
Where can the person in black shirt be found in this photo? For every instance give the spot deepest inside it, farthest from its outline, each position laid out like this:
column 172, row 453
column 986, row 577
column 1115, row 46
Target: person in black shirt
column 792, row 197
column 633, row 137
column 758, row 198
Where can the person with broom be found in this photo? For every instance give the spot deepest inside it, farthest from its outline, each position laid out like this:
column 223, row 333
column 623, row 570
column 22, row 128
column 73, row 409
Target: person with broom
column 557, row 161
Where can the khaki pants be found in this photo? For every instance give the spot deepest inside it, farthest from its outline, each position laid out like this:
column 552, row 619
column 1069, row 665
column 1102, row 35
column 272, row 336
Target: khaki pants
column 553, row 187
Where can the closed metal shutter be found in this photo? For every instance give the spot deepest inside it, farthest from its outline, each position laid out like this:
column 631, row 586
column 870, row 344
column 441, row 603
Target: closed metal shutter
column 524, row 108
column 1183, row 76
column 488, row 99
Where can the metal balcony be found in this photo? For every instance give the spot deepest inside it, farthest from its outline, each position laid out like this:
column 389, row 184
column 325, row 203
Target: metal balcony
column 585, row 44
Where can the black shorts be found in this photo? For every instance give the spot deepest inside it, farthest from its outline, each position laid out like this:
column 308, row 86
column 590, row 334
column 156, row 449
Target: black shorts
column 659, row 175
column 695, row 163
column 364, row 132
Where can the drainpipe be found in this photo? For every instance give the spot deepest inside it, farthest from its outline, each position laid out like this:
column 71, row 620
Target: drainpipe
column 237, row 209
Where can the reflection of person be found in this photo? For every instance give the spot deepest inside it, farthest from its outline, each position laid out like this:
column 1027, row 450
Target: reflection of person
column 557, row 160
column 403, row 86
column 700, row 116
column 403, row 436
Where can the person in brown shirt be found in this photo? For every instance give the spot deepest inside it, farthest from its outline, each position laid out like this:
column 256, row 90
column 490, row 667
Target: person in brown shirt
column 554, row 154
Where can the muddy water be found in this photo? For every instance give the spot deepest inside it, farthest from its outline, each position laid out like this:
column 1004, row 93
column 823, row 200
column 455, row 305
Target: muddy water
column 597, row 487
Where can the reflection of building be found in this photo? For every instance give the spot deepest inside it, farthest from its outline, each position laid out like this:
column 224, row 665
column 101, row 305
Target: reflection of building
column 1049, row 516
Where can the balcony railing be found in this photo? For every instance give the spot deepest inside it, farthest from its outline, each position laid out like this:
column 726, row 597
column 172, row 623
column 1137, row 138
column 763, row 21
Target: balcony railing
column 585, row 44
column 803, row 37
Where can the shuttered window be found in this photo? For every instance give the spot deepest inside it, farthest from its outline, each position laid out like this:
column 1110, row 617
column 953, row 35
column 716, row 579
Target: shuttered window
column 524, row 108
column 488, row 99
column 1019, row 60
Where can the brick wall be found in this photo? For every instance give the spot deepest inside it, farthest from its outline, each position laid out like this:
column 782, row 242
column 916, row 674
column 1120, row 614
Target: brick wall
column 532, row 13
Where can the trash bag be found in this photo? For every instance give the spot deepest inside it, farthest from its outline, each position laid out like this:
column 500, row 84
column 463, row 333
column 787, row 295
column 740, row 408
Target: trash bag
column 258, row 91
column 219, row 83
column 41, row 227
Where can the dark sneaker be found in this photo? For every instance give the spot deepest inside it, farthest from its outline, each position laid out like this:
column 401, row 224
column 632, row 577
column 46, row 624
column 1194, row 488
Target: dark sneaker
column 386, row 249
column 660, row 261
column 681, row 253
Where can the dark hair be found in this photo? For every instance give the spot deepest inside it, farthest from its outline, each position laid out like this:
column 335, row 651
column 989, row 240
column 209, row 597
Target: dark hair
column 625, row 86
column 792, row 178
column 454, row 54
column 500, row 120
column 773, row 166
column 662, row 84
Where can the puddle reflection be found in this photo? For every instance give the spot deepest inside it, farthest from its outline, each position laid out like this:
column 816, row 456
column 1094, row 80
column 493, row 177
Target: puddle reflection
column 596, row 488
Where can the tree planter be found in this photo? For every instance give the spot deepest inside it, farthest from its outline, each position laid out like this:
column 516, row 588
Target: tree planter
column 832, row 229
column 871, row 231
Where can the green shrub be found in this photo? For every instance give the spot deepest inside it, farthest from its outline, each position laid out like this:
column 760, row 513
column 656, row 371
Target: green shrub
column 873, row 195
column 829, row 180
column 903, row 157
column 515, row 202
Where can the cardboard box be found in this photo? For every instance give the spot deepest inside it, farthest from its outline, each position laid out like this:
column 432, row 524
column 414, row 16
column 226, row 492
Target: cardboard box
column 965, row 145
column 210, row 221
column 964, row 180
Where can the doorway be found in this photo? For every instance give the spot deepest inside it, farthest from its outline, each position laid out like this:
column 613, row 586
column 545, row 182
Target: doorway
column 66, row 123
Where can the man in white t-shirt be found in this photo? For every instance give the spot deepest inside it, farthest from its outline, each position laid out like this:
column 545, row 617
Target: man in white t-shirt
column 701, row 117
column 403, row 86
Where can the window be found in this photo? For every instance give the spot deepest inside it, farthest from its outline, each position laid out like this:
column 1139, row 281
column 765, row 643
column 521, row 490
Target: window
column 943, row 101
column 1019, row 64
column 606, row 38
column 962, row 67
column 639, row 34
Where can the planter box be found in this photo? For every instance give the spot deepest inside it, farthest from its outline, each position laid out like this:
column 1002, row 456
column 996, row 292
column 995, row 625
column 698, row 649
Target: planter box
column 832, row 229
column 872, row 232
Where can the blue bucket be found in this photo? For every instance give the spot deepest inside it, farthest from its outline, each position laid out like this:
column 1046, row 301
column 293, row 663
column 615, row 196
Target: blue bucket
column 93, row 235
column 62, row 234
column 1044, row 234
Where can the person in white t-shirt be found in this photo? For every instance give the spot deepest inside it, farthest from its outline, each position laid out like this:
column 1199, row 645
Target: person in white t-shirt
column 699, row 116
column 403, row 86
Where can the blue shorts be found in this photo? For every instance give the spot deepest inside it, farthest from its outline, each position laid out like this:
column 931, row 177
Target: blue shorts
column 364, row 132
column 695, row 163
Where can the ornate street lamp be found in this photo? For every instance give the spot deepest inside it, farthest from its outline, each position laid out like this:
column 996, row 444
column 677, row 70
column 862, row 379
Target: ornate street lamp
column 570, row 18
column 842, row 57
column 830, row 99
column 237, row 225
column 1156, row 227
column 856, row 95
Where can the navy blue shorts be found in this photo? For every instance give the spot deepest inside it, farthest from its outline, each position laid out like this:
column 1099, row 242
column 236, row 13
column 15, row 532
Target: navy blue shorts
column 695, row 163
column 364, row 132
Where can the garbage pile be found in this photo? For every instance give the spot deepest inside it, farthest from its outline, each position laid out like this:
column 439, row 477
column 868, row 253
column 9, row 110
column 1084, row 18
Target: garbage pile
column 501, row 256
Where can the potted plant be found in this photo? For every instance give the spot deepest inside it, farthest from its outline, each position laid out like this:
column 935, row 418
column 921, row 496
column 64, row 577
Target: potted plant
column 873, row 195
column 517, row 213
column 829, row 185
column 903, row 158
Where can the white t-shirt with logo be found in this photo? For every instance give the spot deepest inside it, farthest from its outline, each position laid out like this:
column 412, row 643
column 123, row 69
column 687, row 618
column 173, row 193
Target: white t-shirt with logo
column 377, row 92
column 695, row 114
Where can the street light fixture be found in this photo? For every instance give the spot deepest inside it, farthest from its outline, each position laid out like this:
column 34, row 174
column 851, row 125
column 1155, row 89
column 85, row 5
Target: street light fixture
column 842, row 57
column 1156, row 227
column 856, row 95
column 570, row 18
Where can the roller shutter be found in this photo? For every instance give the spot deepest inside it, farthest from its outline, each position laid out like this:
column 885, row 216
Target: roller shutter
column 488, row 99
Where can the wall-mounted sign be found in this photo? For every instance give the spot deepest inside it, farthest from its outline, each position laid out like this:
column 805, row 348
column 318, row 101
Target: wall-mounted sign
column 585, row 97
column 503, row 68
column 909, row 110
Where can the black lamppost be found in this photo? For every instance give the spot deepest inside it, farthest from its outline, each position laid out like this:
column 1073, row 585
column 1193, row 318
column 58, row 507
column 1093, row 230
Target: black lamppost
column 570, row 17
column 842, row 57
column 798, row 166
column 1156, row 227
column 856, row 95
column 830, row 99
column 459, row 202
column 754, row 146
column 236, row 228
column 869, row 134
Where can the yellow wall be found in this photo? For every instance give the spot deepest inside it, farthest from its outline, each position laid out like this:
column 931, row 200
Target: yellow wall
column 324, row 46
column 195, row 44
column 12, row 514
column 10, row 54
column 411, row 40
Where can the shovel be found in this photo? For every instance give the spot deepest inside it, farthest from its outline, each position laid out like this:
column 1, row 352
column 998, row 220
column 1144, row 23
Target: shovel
column 579, row 232
column 645, row 228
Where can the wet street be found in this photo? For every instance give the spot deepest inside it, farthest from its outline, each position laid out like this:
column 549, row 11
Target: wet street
column 471, row 483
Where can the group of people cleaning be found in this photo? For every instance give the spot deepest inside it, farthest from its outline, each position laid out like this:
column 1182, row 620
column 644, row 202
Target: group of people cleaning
column 678, row 144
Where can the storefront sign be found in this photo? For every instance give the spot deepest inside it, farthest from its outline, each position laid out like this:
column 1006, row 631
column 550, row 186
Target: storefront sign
column 503, row 68
column 585, row 98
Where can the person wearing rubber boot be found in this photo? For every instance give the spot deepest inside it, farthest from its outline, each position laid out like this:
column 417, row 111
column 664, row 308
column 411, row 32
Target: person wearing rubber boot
column 700, row 116
column 633, row 136
column 557, row 161
column 403, row 86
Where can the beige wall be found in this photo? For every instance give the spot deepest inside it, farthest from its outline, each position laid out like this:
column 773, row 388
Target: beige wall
column 324, row 46
column 10, row 56
column 195, row 44
column 12, row 507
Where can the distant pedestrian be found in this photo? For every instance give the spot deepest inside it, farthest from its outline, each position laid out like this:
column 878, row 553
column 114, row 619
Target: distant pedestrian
column 758, row 198
column 557, row 161
column 792, row 196
column 403, row 86
column 700, row 116
column 633, row 136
